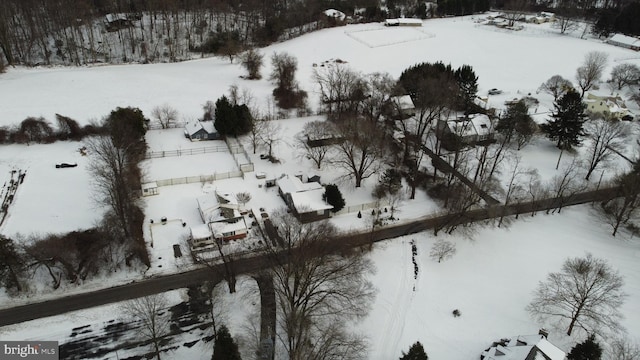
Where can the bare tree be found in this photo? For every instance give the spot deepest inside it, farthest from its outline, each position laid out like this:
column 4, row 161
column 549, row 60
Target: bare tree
column 586, row 293
column 625, row 74
column 243, row 198
column 362, row 151
column 623, row 348
column 165, row 115
column 111, row 168
column 270, row 135
column 565, row 185
column 606, row 137
column 590, row 72
column 442, row 250
column 284, row 67
column 556, row 86
column 148, row 311
column 257, row 126
column 515, row 10
column 340, row 90
column 209, row 109
column 315, row 141
column 319, row 288
column 620, row 210
column 252, row 61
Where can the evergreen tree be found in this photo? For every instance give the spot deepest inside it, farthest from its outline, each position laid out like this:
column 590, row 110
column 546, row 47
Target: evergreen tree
column 12, row 264
column 231, row 119
column 517, row 122
column 468, row 84
column 565, row 126
column 225, row 348
column 416, row 352
column 333, row 197
column 389, row 183
column 586, row 350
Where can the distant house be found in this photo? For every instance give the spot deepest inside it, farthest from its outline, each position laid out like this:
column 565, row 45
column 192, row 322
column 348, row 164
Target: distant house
column 613, row 106
column 335, row 14
column 149, row 189
column 222, row 221
column 466, row 130
column 524, row 347
column 542, row 18
column 403, row 22
column 625, row 41
column 201, row 130
column 115, row 22
column 403, row 105
column 304, row 199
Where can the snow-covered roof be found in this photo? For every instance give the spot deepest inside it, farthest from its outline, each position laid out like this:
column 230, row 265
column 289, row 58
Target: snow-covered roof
column 403, row 102
column 335, row 14
column 149, row 185
column 222, row 227
column 291, row 184
column 403, row 21
column 535, row 347
column 462, row 128
column 310, row 201
column 305, row 196
column 194, row 126
column 210, row 208
column 201, row 231
column 481, row 123
column 624, row 39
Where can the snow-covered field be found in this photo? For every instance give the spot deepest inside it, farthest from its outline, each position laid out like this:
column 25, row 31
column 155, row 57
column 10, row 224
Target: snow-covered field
column 491, row 278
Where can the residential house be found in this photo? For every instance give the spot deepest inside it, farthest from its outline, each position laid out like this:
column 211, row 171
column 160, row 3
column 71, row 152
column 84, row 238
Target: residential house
column 221, row 218
column 613, row 106
column 403, row 22
column 472, row 129
column 625, row 41
column 201, row 130
column 403, row 106
column 524, row 347
column 305, row 200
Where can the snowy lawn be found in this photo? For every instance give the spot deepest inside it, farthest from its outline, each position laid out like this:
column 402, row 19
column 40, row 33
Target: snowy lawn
column 490, row 280
column 50, row 200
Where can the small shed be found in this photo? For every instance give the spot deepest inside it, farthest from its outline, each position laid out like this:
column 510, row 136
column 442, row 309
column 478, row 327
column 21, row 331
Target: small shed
column 403, row 22
column 150, row 188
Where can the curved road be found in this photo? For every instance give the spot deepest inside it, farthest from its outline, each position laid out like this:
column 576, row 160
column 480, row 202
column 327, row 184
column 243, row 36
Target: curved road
column 253, row 264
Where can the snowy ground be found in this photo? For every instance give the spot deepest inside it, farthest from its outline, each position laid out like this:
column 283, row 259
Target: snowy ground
column 488, row 281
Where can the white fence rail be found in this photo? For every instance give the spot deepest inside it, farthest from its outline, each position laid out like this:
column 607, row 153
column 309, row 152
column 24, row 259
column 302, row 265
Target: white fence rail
column 364, row 206
column 183, row 152
column 199, row 178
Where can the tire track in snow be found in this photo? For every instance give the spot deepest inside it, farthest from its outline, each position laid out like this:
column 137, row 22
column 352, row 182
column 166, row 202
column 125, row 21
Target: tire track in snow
column 398, row 312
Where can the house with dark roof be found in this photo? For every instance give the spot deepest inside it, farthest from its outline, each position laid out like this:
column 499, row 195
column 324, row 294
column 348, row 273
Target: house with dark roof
column 222, row 221
column 201, row 130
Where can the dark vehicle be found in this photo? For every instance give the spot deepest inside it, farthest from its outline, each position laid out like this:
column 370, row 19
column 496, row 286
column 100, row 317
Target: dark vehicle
column 495, row 91
column 65, row 165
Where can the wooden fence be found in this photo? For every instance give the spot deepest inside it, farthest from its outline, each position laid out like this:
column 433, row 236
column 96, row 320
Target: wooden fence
column 364, row 206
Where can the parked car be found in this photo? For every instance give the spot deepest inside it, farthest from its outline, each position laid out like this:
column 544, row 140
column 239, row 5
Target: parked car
column 495, row 91
column 65, row 165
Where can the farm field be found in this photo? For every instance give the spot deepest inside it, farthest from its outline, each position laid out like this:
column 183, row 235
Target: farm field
column 491, row 278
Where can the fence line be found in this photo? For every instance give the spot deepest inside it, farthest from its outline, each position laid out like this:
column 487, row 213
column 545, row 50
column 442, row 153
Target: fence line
column 183, row 152
column 199, row 178
column 172, row 125
column 239, row 154
column 363, row 206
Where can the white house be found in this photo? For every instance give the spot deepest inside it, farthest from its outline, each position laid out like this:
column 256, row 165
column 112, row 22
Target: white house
column 524, row 347
column 221, row 221
column 304, row 199
column 625, row 41
column 608, row 105
column 150, row 188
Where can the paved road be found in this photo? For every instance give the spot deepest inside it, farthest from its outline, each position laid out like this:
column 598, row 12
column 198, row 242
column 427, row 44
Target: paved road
column 254, row 264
